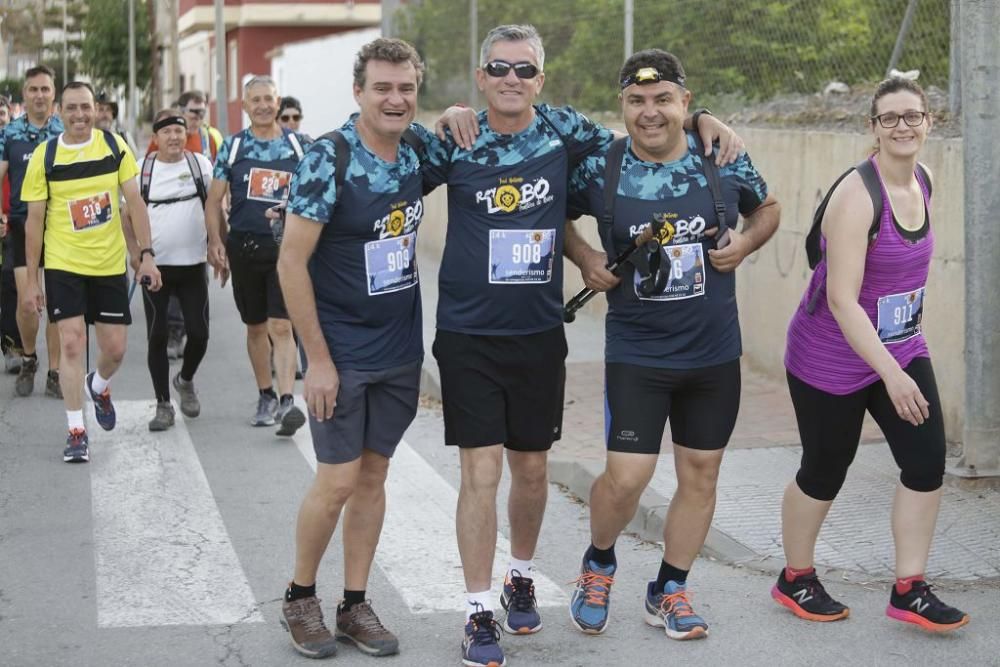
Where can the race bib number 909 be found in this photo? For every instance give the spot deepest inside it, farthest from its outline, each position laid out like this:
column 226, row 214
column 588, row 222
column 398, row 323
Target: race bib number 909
column 90, row 211
column 519, row 256
column 391, row 264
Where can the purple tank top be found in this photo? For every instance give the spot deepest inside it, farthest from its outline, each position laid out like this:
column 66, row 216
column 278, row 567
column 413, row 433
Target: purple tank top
column 892, row 294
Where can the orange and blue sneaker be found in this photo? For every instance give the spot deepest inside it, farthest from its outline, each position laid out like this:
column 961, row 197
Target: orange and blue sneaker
column 806, row 598
column 77, row 447
column 671, row 610
column 589, row 606
column 481, row 644
column 518, row 599
column 922, row 608
column 104, row 409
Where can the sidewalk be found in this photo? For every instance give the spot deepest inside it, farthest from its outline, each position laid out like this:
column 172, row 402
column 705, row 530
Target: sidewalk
column 762, row 457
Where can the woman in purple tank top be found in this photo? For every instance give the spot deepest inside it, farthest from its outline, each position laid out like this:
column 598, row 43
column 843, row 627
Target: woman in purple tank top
column 855, row 344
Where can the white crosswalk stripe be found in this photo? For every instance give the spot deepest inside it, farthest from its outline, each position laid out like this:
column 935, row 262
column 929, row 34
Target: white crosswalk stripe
column 162, row 552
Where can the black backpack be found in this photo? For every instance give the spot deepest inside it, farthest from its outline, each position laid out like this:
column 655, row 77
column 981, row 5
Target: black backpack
column 146, row 178
column 343, row 154
column 874, row 186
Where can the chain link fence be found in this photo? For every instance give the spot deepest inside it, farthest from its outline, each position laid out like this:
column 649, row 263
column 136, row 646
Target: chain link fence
column 755, row 58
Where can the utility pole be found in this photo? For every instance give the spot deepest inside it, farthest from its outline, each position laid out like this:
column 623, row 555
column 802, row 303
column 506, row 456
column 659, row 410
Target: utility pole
column 221, row 100
column 133, row 107
column 473, row 51
column 389, row 8
column 629, row 22
column 954, row 66
column 904, row 29
column 65, row 53
column 980, row 63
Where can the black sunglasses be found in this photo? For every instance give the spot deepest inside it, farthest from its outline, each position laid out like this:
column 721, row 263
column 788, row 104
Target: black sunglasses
column 288, row 119
column 500, row 68
column 195, row 112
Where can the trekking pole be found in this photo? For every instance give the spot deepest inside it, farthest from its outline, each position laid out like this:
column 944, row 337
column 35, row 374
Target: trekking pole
column 583, row 296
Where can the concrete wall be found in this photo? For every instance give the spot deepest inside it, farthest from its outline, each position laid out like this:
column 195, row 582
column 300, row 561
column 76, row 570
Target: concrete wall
column 799, row 166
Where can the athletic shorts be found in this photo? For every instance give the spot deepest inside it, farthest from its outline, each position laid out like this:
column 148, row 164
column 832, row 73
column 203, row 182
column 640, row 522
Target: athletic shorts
column 97, row 298
column 253, row 265
column 374, row 409
column 502, row 389
column 17, row 239
column 701, row 403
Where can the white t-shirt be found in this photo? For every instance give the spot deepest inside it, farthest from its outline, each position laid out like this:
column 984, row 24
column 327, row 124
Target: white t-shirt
column 179, row 234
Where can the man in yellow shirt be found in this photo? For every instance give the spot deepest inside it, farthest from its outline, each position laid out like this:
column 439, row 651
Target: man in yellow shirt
column 73, row 186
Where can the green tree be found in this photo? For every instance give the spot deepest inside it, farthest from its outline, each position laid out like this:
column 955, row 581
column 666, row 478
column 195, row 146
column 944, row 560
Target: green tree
column 52, row 52
column 105, row 43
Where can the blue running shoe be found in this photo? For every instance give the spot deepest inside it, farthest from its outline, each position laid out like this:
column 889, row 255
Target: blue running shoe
column 518, row 599
column 104, row 409
column 77, row 447
column 481, row 645
column 588, row 608
column 672, row 611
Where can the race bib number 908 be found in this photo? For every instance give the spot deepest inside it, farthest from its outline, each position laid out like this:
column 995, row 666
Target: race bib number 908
column 90, row 211
column 391, row 264
column 268, row 185
column 900, row 315
column 519, row 256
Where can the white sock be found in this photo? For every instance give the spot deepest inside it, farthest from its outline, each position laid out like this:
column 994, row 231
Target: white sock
column 75, row 419
column 99, row 384
column 477, row 602
column 523, row 567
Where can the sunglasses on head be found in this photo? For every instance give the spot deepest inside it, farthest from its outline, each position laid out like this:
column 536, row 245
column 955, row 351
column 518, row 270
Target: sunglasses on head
column 196, row 112
column 500, row 68
column 288, row 118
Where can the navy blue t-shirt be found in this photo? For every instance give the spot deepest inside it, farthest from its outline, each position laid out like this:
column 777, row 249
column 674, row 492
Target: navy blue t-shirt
column 693, row 322
column 364, row 268
column 18, row 141
column 502, row 270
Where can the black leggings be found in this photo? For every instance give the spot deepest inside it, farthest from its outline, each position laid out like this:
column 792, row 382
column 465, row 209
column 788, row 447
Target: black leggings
column 190, row 285
column 830, row 428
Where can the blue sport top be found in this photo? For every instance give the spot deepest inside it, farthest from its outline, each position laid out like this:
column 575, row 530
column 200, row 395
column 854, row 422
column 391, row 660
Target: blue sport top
column 18, row 141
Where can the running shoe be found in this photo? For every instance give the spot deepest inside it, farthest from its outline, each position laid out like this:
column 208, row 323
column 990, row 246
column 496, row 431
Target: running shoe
column 289, row 417
column 303, row 619
column 267, row 406
column 671, row 610
column 52, row 388
column 518, row 599
column 481, row 645
column 360, row 625
column 190, row 405
column 922, row 608
column 77, row 447
column 806, row 598
column 589, row 606
column 25, row 383
column 104, row 409
column 164, row 418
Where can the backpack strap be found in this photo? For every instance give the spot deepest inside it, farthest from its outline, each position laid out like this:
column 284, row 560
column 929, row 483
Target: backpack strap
column 146, row 175
column 109, row 138
column 296, row 145
column 234, row 149
column 873, row 185
column 342, row 155
column 562, row 137
column 50, row 155
column 413, row 140
column 197, row 175
column 711, row 171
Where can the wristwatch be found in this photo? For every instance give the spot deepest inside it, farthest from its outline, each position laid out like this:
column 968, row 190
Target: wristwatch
column 142, row 254
column 697, row 114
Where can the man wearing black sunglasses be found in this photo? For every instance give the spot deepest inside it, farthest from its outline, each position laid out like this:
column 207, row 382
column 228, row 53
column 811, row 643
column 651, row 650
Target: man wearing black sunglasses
column 500, row 344
column 201, row 137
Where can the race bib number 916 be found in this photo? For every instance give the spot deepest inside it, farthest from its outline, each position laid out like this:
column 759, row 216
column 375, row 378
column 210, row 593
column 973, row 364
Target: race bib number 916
column 686, row 279
column 519, row 256
column 268, row 185
column 90, row 211
column 391, row 264
column 899, row 316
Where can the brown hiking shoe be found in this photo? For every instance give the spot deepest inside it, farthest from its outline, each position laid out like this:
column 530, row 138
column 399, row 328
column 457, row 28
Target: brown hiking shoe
column 360, row 625
column 25, row 383
column 304, row 621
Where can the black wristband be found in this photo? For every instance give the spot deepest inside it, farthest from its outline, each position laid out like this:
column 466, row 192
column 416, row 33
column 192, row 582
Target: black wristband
column 142, row 254
column 696, row 115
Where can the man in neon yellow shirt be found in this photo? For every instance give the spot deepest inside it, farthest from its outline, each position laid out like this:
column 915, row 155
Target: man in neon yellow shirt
column 73, row 186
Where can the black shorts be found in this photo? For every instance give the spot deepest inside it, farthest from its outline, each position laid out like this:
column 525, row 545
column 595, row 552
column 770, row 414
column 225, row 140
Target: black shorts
column 253, row 264
column 17, row 240
column 702, row 404
column 97, row 298
column 502, row 389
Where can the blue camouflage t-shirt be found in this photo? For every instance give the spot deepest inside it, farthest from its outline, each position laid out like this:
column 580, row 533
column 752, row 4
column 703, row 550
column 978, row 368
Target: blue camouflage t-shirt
column 364, row 268
column 692, row 322
column 502, row 270
column 18, row 141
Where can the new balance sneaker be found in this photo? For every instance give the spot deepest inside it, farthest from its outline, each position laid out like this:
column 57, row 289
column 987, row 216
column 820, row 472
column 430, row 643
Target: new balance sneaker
column 52, row 388
column 25, row 383
column 671, row 610
column 303, row 619
column 77, row 447
column 267, row 406
column 164, row 418
column 806, row 598
column 518, row 599
column 589, row 606
column 360, row 625
column 289, row 417
column 481, row 645
column 190, row 405
column 104, row 409
column 922, row 608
